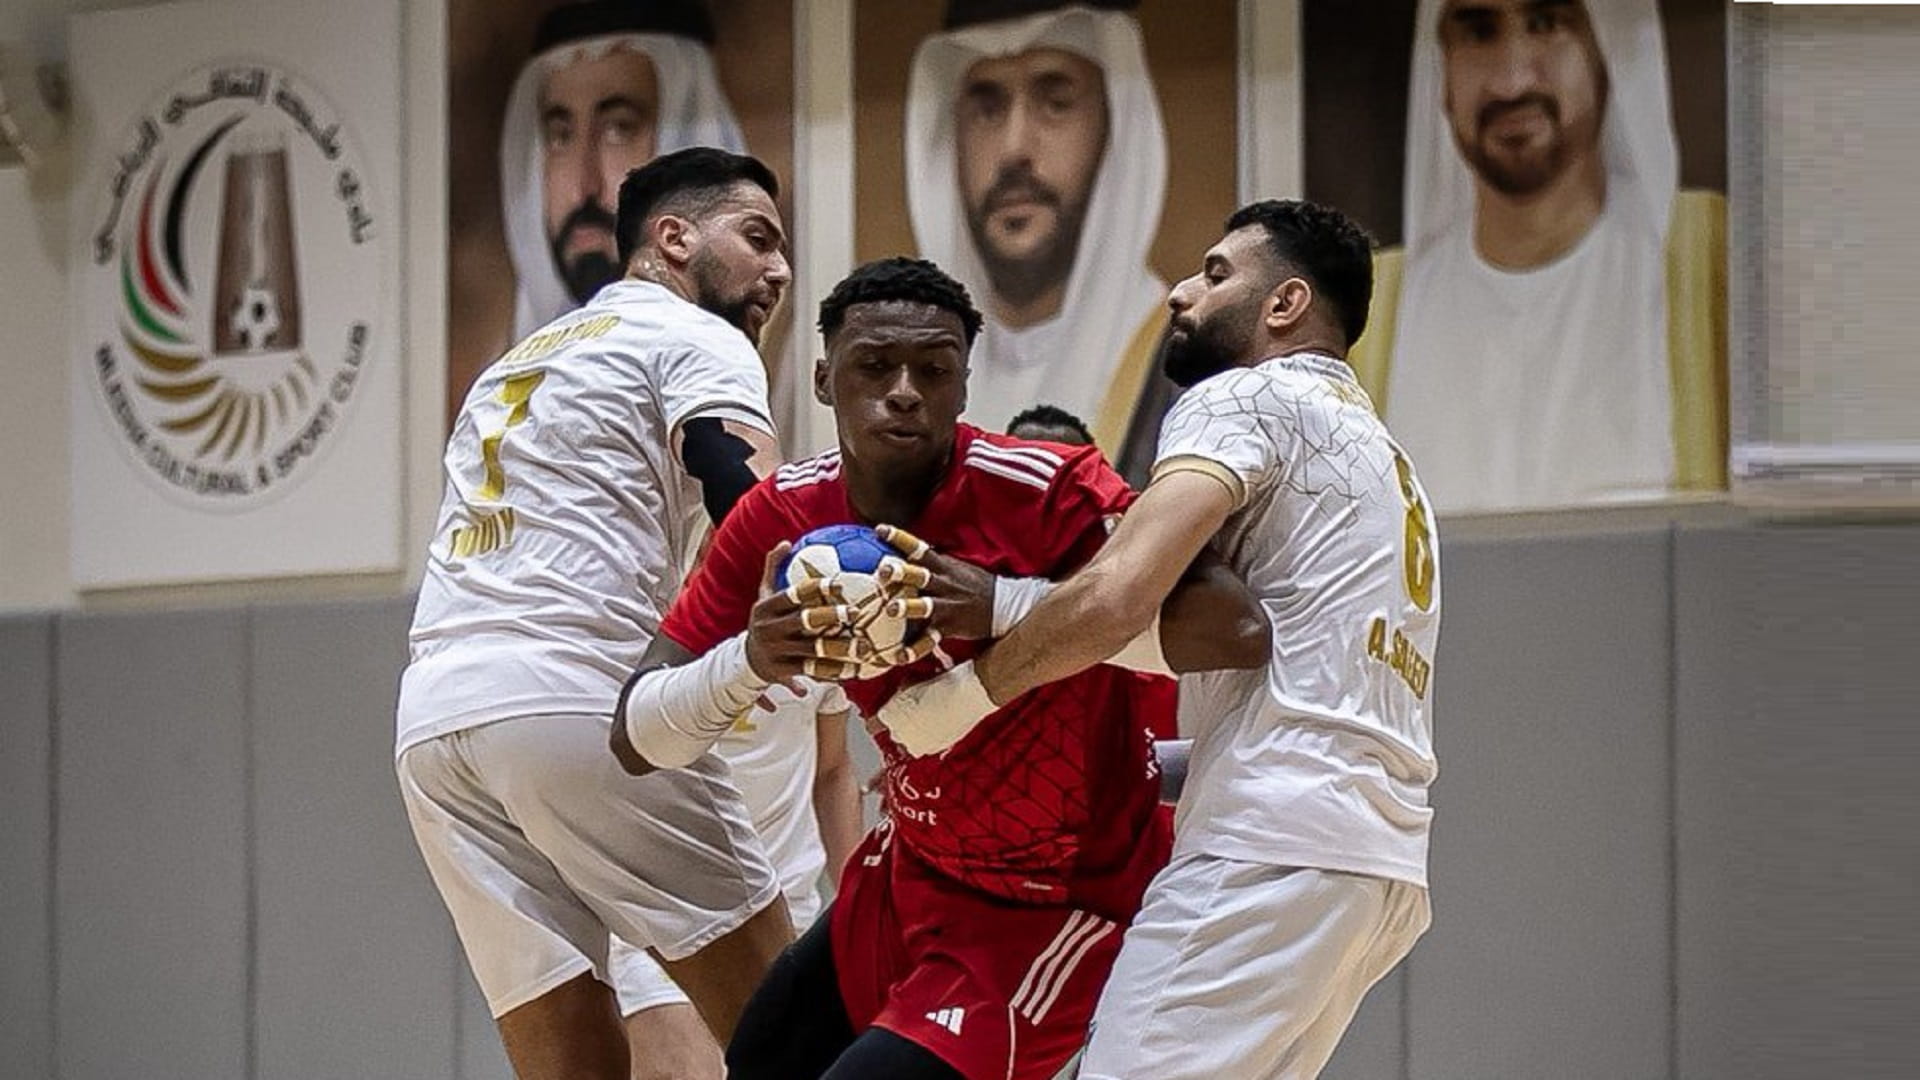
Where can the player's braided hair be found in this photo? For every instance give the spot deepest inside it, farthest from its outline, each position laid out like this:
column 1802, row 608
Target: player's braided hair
column 898, row 278
column 1324, row 245
column 689, row 182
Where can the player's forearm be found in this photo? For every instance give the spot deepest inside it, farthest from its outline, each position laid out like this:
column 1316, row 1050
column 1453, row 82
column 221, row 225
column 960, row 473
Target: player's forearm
column 1107, row 605
column 669, row 715
column 836, row 803
column 1083, row 621
column 1213, row 621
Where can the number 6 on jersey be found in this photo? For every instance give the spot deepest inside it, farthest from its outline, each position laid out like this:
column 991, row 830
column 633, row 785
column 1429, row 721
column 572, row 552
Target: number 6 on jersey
column 1419, row 537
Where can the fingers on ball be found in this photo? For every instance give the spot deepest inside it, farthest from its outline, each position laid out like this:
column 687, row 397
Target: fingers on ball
column 908, row 544
column 808, row 591
column 910, row 607
column 824, row 619
column 895, row 572
column 918, row 649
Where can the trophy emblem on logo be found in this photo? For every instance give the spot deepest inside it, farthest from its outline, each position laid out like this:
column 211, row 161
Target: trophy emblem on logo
column 257, row 291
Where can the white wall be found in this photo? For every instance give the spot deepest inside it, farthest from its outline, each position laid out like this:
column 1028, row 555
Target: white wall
column 1843, row 163
column 33, row 429
column 33, row 325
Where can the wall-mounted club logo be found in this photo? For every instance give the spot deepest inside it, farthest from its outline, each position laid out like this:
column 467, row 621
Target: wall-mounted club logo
column 236, row 272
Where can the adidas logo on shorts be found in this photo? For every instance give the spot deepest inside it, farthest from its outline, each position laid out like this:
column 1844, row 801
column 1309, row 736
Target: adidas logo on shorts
column 948, row 1018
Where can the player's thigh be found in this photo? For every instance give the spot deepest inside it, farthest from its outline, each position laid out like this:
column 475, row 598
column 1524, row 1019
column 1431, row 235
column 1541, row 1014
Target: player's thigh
column 1406, row 919
column 671, row 1042
column 524, row 930
column 668, row 861
column 571, row 1032
column 723, row 975
column 795, row 1024
column 1229, row 965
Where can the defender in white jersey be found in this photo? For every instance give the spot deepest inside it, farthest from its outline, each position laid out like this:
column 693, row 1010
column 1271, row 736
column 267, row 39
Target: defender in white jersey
column 1300, row 854
column 580, row 471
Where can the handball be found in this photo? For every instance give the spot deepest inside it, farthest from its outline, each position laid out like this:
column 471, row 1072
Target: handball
column 846, row 559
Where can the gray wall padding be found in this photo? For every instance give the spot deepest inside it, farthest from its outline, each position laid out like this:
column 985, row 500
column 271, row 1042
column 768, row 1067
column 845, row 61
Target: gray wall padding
column 351, row 935
column 1799, row 686
column 1550, row 864
column 26, row 846
column 153, row 938
column 1674, row 833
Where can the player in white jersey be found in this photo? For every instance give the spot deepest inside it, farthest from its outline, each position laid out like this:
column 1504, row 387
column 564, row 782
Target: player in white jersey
column 580, row 471
column 1300, row 855
column 794, row 771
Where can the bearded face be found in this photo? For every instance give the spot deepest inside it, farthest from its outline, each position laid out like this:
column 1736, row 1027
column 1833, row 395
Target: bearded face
column 1031, row 131
column 1526, row 88
column 598, row 119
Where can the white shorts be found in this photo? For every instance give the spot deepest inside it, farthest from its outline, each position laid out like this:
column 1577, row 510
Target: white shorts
column 1245, row 970
column 641, row 983
column 542, row 846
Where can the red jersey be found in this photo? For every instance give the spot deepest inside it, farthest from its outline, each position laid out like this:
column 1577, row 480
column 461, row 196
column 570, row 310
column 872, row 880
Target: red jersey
column 1051, row 799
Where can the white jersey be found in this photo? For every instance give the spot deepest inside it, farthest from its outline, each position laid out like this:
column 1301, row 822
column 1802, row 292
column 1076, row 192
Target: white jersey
column 1323, row 758
column 774, row 757
column 567, row 527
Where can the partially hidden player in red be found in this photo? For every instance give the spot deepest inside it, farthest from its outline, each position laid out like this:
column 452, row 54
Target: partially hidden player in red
column 975, row 925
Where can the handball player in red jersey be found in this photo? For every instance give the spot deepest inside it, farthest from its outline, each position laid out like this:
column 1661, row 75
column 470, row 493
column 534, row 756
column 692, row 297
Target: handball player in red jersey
column 975, row 925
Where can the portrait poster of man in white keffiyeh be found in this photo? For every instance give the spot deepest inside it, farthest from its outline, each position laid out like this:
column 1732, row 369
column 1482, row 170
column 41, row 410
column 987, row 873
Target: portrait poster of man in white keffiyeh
column 550, row 104
column 1546, row 179
column 1066, row 162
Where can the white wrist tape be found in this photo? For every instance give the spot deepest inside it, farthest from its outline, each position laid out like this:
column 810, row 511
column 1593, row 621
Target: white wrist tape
column 929, row 717
column 675, row 714
column 1014, row 598
column 1143, row 653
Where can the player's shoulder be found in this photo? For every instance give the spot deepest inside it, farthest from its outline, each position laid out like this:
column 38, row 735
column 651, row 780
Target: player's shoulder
column 586, row 329
column 649, row 319
column 1280, row 386
column 807, row 492
column 1004, row 461
column 704, row 332
column 808, row 476
column 1248, row 384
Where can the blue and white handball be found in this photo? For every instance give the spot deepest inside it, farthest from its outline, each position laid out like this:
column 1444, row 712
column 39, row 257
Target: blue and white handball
column 850, row 554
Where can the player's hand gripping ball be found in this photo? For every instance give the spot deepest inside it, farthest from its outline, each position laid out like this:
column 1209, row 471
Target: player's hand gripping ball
column 844, row 559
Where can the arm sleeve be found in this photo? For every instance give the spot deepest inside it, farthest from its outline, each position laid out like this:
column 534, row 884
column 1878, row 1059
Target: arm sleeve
column 717, row 378
column 1221, row 428
column 720, row 594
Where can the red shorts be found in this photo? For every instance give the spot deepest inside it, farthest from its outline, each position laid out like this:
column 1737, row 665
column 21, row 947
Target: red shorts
column 999, row 991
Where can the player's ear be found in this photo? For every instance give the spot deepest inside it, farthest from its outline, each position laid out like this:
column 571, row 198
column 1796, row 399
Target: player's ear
column 1288, row 302
column 822, row 385
column 675, row 237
